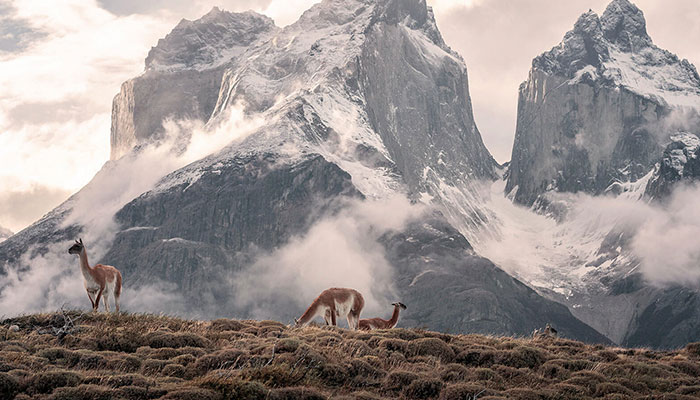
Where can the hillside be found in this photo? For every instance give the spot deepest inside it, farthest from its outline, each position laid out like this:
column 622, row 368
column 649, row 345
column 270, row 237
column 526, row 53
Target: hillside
column 144, row 356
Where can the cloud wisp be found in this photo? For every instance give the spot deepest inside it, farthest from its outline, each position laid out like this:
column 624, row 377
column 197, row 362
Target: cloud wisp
column 342, row 250
column 52, row 278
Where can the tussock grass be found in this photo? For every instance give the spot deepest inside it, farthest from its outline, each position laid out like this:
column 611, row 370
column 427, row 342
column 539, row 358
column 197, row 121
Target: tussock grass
column 136, row 356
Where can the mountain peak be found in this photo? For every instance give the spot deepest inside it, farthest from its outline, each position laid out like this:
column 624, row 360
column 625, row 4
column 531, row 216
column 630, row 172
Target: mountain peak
column 624, row 24
column 209, row 40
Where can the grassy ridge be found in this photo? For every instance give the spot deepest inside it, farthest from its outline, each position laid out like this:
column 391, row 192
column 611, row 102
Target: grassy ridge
column 148, row 357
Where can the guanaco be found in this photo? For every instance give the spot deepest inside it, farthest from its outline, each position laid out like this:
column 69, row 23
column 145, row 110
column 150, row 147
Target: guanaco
column 332, row 303
column 378, row 323
column 100, row 281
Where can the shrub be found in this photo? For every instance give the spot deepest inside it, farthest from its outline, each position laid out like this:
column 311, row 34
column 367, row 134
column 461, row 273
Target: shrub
column 90, row 360
column 606, row 388
column 464, row 391
column 152, row 366
column 125, row 363
column 226, row 358
column 423, row 389
column 693, row 349
column 224, row 324
column 454, row 373
column 287, row 345
column 687, row 367
column 393, row 345
column 82, row 392
column 175, row 370
column 184, row 359
column 397, row 380
column 128, row 380
column 46, row 382
column 476, row 358
column 431, row 347
column 297, row 393
column 9, row 386
column 160, row 339
column 234, row 388
column 192, row 394
column 522, row 357
column 333, row 374
column 554, row 371
column 364, row 369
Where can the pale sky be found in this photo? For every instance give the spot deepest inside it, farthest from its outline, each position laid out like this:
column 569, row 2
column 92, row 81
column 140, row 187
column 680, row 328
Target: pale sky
column 61, row 65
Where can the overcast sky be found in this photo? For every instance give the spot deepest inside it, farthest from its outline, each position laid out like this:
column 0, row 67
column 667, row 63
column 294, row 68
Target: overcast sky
column 61, row 65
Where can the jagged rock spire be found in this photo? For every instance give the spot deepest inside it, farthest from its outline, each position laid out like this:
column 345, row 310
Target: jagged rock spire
column 624, row 24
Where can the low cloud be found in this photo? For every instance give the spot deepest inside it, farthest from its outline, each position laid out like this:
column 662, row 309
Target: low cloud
column 338, row 251
column 52, row 279
column 663, row 237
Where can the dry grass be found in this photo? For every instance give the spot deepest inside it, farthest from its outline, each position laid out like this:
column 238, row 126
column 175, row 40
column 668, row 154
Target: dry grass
column 149, row 357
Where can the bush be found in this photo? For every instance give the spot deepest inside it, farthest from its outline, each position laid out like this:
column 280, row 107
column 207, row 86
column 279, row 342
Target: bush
column 333, row 374
column 462, row 391
column 226, row 358
column 431, row 347
column 224, row 324
column 397, row 380
column 424, row 389
column 693, row 349
column 297, row 393
column 192, row 394
column 234, row 388
column 476, row 358
column 128, row 380
column 160, row 339
column 124, row 364
column 82, row 392
column 9, row 386
column 522, row 357
column 151, row 366
column 175, row 370
column 288, row 345
column 393, row 345
column 454, row 373
column 46, row 382
column 606, row 388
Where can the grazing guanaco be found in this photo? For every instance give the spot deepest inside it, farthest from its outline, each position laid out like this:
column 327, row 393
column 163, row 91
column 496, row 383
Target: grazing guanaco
column 332, row 303
column 378, row 323
column 100, row 281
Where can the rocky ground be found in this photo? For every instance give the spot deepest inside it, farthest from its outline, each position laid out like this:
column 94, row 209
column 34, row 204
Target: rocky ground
column 133, row 356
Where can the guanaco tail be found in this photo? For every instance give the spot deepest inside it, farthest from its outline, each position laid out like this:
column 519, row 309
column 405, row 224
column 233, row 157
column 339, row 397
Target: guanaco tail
column 100, row 281
column 332, row 303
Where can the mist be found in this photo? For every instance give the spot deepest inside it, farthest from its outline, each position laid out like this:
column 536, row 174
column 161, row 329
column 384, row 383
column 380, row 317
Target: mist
column 338, row 251
column 52, row 279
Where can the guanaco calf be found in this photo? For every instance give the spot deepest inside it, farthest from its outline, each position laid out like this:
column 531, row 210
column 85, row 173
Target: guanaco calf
column 378, row 323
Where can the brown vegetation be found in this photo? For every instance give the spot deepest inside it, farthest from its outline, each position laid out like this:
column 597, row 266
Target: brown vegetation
column 150, row 357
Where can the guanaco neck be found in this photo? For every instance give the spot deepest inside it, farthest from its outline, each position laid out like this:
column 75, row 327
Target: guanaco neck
column 309, row 314
column 85, row 265
column 394, row 317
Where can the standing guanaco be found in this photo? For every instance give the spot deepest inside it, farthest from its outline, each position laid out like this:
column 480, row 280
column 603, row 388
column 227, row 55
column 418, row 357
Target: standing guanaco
column 332, row 303
column 100, row 281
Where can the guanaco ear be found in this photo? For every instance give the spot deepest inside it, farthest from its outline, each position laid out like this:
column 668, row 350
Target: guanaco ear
column 81, row 240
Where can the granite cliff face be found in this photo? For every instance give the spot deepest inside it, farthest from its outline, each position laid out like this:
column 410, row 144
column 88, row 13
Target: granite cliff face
column 608, row 115
column 360, row 99
column 595, row 110
column 182, row 76
column 5, row 233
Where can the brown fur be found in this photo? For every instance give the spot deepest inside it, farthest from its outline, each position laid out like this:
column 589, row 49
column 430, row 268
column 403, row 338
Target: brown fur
column 379, row 323
column 328, row 298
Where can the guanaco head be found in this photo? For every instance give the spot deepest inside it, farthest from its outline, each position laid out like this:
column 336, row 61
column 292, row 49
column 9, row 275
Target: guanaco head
column 76, row 248
column 399, row 304
column 296, row 322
